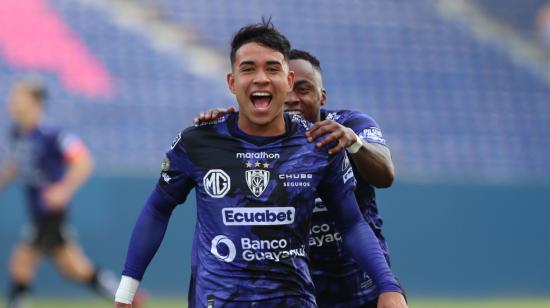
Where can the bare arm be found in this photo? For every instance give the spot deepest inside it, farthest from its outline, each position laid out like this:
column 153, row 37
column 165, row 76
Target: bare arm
column 7, row 174
column 80, row 166
column 373, row 160
column 374, row 164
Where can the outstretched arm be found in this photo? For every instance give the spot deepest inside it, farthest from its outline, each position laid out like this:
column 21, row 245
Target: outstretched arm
column 146, row 238
column 362, row 244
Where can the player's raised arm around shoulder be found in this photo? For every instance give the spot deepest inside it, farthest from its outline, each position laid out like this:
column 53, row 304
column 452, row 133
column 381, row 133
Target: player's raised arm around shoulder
column 172, row 189
column 360, row 136
column 359, row 239
column 369, row 151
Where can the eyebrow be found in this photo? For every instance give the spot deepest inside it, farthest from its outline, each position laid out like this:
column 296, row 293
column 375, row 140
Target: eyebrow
column 303, row 82
column 250, row 62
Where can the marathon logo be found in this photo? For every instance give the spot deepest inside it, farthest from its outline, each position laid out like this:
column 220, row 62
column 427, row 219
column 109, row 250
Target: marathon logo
column 258, row 216
column 259, row 155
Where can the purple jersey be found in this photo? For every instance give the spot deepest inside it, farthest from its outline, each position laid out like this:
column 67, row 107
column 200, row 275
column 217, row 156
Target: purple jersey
column 40, row 156
column 255, row 197
column 337, row 277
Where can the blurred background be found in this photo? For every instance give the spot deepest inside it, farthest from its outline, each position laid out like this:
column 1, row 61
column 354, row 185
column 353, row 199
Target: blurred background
column 461, row 89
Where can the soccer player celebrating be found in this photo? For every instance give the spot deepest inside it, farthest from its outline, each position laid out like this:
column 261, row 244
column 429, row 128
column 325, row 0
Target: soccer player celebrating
column 53, row 165
column 256, row 177
column 339, row 280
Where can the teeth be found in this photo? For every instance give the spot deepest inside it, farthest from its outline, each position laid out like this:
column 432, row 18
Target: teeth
column 294, row 112
column 261, row 94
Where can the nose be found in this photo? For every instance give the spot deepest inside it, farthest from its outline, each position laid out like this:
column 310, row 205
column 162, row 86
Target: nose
column 291, row 100
column 261, row 77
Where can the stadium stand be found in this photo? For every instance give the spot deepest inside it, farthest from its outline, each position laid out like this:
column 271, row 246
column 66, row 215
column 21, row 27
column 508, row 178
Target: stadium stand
column 450, row 105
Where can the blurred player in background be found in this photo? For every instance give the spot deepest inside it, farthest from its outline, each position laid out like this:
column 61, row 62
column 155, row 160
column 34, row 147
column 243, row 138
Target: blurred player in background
column 256, row 178
column 52, row 165
column 339, row 280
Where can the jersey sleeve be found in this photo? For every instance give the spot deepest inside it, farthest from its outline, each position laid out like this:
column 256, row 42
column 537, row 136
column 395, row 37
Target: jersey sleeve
column 70, row 146
column 359, row 239
column 365, row 127
column 176, row 179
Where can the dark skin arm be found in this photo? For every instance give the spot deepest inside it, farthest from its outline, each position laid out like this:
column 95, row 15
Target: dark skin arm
column 212, row 114
column 373, row 160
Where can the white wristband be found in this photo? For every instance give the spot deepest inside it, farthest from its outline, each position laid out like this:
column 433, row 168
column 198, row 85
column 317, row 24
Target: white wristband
column 354, row 148
column 126, row 290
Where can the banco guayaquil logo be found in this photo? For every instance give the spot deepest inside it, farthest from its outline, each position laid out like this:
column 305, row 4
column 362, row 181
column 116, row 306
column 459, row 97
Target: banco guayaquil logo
column 216, row 183
column 217, row 242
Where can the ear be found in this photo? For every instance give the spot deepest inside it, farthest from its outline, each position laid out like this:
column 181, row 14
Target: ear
column 323, row 96
column 290, row 80
column 231, row 82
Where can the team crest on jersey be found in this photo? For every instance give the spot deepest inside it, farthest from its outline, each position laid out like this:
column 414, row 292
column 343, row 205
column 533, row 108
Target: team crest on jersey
column 257, row 180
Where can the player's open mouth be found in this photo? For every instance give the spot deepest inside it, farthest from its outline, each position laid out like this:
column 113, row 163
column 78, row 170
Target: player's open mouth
column 261, row 100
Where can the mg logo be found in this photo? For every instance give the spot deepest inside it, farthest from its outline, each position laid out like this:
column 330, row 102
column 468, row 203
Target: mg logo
column 257, row 181
column 229, row 250
column 216, row 183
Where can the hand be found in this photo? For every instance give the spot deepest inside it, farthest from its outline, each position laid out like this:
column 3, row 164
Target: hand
column 334, row 132
column 121, row 305
column 56, row 196
column 212, row 114
column 391, row 300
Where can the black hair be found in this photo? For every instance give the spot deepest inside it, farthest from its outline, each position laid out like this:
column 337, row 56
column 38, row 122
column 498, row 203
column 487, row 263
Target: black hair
column 35, row 88
column 297, row 54
column 263, row 33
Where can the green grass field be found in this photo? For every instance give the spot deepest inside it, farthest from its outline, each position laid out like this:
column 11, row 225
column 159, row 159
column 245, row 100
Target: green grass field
column 414, row 303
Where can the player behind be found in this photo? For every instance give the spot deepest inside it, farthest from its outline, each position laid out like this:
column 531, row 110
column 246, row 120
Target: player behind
column 339, row 280
column 53, row 165
column 256, row 177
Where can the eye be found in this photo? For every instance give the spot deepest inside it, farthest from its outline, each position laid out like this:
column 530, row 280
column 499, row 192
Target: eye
column 303, row 90
column 273, row 69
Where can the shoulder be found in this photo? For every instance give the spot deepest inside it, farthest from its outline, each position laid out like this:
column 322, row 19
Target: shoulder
column 201, row 134
column 345, row 115
column 204, row 127
column 299, row 123
column 50, row 130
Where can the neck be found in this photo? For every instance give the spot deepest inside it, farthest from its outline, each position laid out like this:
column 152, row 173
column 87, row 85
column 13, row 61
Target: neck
column 274, row 128
column 29, row 124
